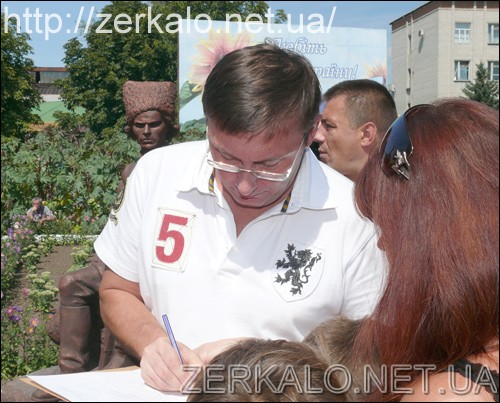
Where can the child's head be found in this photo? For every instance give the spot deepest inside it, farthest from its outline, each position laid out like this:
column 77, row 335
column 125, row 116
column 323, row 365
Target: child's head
column 267, row 371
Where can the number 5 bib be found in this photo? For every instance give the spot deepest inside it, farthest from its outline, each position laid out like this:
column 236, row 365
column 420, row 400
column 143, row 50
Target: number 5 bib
column 173, row 239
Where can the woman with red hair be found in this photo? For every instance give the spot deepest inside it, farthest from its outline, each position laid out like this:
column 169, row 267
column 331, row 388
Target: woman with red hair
column 432, row 191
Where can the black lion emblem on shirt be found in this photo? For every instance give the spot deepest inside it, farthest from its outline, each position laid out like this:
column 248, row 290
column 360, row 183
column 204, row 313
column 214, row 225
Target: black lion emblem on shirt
column 299, row 263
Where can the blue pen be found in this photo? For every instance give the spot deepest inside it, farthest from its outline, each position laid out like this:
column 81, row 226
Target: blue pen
column 171, row 337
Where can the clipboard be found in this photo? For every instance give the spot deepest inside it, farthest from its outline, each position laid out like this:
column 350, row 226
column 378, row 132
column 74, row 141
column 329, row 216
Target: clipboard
column 35, row 384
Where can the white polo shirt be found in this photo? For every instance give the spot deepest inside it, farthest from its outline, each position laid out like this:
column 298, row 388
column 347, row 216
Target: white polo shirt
column 284, row 274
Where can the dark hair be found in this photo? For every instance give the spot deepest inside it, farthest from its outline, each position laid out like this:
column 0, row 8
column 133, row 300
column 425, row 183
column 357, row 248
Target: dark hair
column 261, row 88
column 439, row 230
column 280, row 360
column 365, row 101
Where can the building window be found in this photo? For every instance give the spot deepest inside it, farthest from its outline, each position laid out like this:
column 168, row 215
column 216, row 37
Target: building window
column 493, row 71
column 493, row 34
column 462, row 32
column 461, row 70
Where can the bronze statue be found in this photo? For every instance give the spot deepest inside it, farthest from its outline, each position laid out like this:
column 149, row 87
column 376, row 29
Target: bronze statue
column 84, row 343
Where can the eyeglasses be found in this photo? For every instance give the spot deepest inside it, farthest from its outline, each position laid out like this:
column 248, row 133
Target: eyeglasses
column 397, row 146
column 268, row 176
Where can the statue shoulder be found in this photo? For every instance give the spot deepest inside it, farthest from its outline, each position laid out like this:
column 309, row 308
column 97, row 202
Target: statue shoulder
column 127, row 170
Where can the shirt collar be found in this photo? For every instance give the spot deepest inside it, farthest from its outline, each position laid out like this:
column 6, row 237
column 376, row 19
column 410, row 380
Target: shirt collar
column 311, row 189
column 198, row 172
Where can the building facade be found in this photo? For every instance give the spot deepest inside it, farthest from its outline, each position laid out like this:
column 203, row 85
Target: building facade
column 45, row 78
column 435, row 49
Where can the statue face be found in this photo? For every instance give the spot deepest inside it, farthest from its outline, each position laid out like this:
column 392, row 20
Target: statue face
column 150, row 130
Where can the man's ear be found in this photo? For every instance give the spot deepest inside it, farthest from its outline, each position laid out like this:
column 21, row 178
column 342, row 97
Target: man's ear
column 368, row 134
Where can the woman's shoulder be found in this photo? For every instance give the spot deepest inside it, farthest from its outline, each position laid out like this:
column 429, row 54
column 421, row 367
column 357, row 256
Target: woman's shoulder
column 449, row 386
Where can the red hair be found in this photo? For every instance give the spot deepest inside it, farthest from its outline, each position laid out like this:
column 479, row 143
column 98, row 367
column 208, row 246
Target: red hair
column 439, row 230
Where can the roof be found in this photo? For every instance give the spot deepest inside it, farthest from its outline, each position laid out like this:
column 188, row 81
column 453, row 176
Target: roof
column 48, row 89
column 434, row 5
column 60, row 69
column 47, row 109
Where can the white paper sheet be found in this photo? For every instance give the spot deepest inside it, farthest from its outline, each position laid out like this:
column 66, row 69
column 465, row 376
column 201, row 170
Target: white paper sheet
column 105, row 386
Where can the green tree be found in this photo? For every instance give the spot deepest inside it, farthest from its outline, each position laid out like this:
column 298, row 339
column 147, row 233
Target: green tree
column 75, row 173
column 97, row 71
column 19, row 96
column 482, row 89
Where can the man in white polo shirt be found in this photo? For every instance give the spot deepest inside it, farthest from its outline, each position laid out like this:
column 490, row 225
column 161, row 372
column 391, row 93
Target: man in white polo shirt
column 245, row 234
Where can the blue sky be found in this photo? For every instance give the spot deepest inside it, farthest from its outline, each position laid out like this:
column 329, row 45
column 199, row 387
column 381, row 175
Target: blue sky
column 48, row 47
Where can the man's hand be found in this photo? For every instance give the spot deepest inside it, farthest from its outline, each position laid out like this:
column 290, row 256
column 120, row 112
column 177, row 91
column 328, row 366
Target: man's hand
column 161, row 367
column 124, row 313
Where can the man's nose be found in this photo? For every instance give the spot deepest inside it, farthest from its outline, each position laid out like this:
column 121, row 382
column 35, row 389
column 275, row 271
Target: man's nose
column 246, row 183
column 319, row 136
column 147, row 129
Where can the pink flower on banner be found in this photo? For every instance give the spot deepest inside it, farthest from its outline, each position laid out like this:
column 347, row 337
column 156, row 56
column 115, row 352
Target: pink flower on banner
column 378, row 70
column 210, row 51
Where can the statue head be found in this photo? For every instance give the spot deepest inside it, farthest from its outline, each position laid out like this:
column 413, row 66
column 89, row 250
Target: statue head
column 150, row 110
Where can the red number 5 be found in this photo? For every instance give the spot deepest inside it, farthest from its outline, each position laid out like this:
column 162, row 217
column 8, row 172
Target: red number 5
column 176, row 236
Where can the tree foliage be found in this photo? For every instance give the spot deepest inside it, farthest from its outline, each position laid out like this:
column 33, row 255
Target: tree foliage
column 19, row 96
column 75, row 173
column 97, row 71
column 482, row 89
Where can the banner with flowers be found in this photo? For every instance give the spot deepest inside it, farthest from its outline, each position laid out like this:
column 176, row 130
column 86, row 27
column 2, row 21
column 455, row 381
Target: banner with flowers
column 339, row 55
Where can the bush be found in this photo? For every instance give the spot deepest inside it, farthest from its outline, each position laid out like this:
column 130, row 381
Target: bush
column 43, row 292
column 26, row 347
column 75, row 173
column 82, row 254
column 15, row 250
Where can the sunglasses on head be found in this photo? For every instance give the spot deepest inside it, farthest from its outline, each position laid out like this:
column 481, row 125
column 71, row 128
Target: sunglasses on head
column 397, row 146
